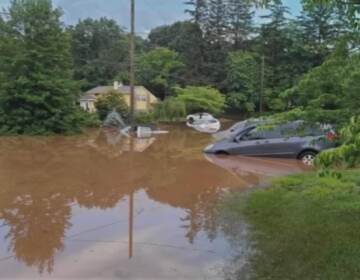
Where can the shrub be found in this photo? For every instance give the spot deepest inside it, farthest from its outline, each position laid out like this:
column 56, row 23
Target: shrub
column 89, row 119
column 171, row 109
column 347, row 155
column 145, row 118
column 198, row 99
column 109, row 102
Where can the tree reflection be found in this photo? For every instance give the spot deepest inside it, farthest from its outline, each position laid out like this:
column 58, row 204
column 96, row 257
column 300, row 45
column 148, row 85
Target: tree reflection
column 42, row 178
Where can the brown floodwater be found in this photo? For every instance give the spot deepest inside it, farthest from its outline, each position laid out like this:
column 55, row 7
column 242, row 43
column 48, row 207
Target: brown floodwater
column 102, row 206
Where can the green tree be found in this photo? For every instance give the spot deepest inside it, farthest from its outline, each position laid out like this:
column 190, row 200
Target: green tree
column 37, row 93
column 274, row 43
column 109, row 102
column 243, row 74
column 199, row 99
column 240, row 19
column 185, row 38
column 158, row 70
column 197, row 10
column 329, row 93
column 100, row 50
column 320, row 30
column 350, row 8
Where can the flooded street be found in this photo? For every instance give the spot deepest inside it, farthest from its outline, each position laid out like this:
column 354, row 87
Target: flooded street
column 101, row 206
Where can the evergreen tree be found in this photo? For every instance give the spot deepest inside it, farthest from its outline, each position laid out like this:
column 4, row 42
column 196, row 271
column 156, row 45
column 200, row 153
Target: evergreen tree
column 243, row 73
column 319, row 30
column 100, row 49
column 216, row 43
column 274, row 45
column 216, row 26
column 197, row 10
column 37, row 93
column 240, row 22
column 186, row 38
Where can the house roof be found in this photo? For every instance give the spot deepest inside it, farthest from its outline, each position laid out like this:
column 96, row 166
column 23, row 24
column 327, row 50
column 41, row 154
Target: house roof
column 92, row 94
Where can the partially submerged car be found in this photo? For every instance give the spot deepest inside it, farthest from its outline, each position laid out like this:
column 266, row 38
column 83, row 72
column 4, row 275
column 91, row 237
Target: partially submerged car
column 191, row 119
column 203, row 122
column 291, row 140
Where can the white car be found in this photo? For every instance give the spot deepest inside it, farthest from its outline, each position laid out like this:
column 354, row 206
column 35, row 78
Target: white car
column 199, row 117
column 203, row 122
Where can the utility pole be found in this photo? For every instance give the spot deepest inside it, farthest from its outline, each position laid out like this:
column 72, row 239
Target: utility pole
column 132, row 119
column 132, row 65
column 261, row 105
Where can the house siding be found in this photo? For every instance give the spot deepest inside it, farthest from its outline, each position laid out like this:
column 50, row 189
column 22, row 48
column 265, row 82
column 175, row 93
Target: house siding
column 144, row 100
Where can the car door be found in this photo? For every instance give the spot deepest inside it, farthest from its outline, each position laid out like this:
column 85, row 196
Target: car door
column 251, row 143
column 263, row 142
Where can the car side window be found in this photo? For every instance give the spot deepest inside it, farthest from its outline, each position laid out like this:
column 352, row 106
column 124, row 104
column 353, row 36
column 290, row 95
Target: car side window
column 254, row 134
column 262, row 134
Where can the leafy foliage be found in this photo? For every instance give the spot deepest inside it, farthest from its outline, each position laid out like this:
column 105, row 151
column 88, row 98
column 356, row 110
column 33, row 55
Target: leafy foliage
column 328, row 93
column 109, row 102
column 37, row 92
column 185, row 38
column 158, row 69
column 242, row 81
column 100, row 51
column 171, row 109
column 199, row 99
column 347, row 155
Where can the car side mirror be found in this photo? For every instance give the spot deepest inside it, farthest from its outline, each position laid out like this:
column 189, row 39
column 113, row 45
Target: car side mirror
column 237, row 139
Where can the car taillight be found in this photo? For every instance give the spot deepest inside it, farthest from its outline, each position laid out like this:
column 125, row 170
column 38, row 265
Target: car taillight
column 331, row 136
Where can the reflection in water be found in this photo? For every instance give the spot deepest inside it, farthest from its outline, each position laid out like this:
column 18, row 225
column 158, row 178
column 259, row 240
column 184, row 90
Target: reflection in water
column 50, row 186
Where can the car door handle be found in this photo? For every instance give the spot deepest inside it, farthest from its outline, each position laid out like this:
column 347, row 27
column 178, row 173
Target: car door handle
column 262, row 142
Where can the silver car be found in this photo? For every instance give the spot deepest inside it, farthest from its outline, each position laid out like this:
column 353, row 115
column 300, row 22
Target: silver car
column 291, row 140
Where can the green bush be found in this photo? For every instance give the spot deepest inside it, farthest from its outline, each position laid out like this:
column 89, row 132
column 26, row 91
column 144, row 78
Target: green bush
column 89, row 119
column 201, row 99
column 171, row 109
column 145, row 118
column 109, row 102
column 348, row 154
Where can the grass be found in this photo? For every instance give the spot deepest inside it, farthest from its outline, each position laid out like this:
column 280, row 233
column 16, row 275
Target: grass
column 304, row 227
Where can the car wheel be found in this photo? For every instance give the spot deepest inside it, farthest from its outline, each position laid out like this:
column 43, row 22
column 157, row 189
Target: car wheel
column 308, row 158
column 191, row 120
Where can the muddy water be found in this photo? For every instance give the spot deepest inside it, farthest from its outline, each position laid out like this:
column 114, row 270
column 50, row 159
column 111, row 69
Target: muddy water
column 101, row 206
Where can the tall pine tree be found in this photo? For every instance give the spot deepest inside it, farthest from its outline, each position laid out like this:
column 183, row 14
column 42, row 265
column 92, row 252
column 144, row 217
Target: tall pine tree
column 322, row 25
column 240, row 22
column 197, row 10
column 37, row 93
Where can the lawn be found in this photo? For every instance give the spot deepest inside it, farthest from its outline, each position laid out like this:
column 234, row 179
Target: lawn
column 304, row 227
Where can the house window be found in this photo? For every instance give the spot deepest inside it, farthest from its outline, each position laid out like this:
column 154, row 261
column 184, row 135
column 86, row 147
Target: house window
column 141, row 98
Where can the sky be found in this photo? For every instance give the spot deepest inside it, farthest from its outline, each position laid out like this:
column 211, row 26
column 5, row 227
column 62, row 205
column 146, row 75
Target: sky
column 150, row 13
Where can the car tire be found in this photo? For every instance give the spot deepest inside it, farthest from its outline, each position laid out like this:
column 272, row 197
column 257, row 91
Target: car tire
column 308, row 158
column 191, row 120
